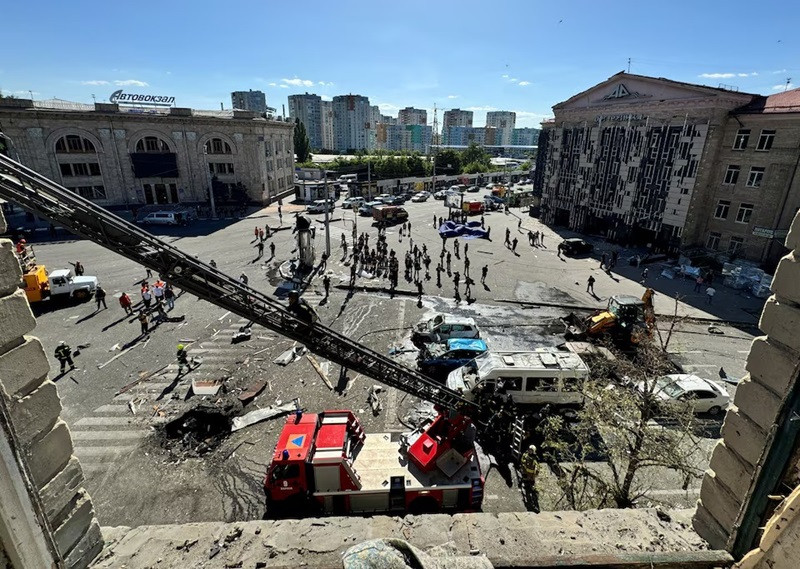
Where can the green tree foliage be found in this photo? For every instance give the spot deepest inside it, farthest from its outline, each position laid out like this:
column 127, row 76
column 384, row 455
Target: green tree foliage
column 477, row 157
column 448, row 161
column 302, row 147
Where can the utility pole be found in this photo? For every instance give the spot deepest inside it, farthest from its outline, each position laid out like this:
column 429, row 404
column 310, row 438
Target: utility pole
column 369, row 180
column 435, row 145
column 327, row 217
column 629, row 65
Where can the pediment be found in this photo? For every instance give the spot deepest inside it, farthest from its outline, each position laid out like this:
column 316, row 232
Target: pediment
column 624, row 88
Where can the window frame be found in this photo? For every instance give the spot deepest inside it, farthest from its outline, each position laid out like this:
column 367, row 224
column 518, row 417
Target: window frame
column 726, row 204
column 745, row 210
column 741, row 139
column 755, row 181
column 731, row 175
column 767, row 137
column 713, row 237
column 739, row 241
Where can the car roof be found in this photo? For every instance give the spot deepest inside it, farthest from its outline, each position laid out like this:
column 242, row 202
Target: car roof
column 691, row 382
column 574, row 240
column 59, row 273
column 448, row 319
column 474, row 344
column 628, row 299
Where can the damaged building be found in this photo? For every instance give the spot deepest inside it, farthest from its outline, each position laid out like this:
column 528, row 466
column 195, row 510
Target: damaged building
column 638, row 160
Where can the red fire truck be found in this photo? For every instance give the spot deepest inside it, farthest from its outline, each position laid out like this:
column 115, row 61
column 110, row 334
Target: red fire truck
column 326, row 461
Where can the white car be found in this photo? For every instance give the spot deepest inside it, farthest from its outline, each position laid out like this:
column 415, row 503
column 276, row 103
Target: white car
column 384, row 198
column 353, row 203
column 420, row 197
column 440, row 195
column 702, row 395
column 319, row 206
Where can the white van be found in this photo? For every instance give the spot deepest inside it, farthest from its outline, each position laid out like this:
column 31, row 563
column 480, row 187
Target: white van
column 348, row 179
column 539, row 377
column 167, row 218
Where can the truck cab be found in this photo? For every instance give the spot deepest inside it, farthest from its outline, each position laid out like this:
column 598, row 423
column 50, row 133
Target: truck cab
column 64, row 284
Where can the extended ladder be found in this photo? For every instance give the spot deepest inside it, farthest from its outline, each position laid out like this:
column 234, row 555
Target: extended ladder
column 44, row 197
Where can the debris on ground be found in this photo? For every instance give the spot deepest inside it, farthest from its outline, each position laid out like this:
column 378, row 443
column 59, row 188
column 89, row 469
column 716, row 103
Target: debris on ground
column 252, row 392
column 373, row 400
column 714, row 330
column 420, row 414
column 320, row 371
column 291, row 355
column 206, row 387
column 199, row 430
column 244, row 333
column 132, row 407
column 259, row 415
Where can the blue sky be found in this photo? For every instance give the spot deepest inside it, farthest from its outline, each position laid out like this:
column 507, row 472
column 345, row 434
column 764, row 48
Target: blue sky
column 523, row 56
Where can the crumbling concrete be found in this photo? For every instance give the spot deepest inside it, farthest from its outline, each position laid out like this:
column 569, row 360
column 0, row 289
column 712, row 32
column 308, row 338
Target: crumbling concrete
column 509, row 540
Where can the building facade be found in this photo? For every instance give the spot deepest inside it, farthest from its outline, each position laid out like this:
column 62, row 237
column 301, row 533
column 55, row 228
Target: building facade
column 410, row 115
column 404, row 137
column 126, row 157
column 351, row 120
column 255, row 101
column 634, row 158
column 308, row 110
column 525, row 136
column 326, row 113
column 504, row 122
column 457, row 117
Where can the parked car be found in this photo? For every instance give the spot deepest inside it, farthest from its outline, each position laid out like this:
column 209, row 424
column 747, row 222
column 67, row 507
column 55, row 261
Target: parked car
column 701, row 395
column 384, row 198
column 420, row 197
column 443, row 327
column 473, row 189
column 492, row 203
column 440, row 195
column 575, row 246
column 353, row 203
column 319, row 206
column 181, row 217
column 396, row 200
column 437, row 360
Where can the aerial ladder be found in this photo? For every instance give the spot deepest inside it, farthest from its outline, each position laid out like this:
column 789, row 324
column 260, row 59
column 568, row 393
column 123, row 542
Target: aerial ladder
column 45, row 198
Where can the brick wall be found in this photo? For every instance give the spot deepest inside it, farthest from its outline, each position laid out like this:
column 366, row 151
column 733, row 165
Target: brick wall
column 750, row 426
column 55, row 479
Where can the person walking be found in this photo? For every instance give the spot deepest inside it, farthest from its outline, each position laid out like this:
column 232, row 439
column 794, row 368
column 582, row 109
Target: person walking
column 260, row 247
column 519, row 224
column 158, row 290
column 508, row 238
column 530, row 470
column 590, row 284
column 169, row 296
column 280, row 216
column 466, row 248
column 468, row 288
column 272, row 249
column 100, row 297
column 603, row 261
column 710, row 292
column 559, row 249
column 439, row 271
column 419, row 291
column 78, row 268
column 448, row 262
column 255, row 233
column 126, row 303
column 466, row 266
column 183, row 359
column 260, row 234
column 644, row 275
column 456, row 248
column 326, row 284
column 64, row 355
column 143, row 321
column 484, row 273
column 514, row 245
column 483, row 222
column 698, row 283
column 531, row 238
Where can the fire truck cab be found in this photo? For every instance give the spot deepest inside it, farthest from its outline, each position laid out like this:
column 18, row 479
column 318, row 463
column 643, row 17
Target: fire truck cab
column 326, row 461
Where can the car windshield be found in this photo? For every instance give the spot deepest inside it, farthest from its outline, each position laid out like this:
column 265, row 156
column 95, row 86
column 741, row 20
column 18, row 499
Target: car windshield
column 669, row 387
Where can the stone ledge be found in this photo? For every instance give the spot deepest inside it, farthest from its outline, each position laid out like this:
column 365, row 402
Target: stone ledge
column 735, row 474
column 35, row 414
column 50, row 455
column 709, row 528
column 61, row 494
column 719, row 501
column 84, row 552
column 771, row 365
column 743, row 436
column 758, row 403
column 16, row 316
column 10, row 271
column 24, row 368
column 75, row 526
column 508, row 540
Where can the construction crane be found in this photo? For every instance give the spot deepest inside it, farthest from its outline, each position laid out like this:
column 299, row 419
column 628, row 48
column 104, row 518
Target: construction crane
column 45, row 198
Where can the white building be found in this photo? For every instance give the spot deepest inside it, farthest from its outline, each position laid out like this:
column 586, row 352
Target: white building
column 352, row 116
column 308, row 109
column 249, row 101
column 326, row 113
column 504, row 122
column 410, row 115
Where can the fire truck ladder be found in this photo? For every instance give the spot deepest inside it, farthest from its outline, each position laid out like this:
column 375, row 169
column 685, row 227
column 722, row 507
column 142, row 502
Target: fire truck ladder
column 44, row 197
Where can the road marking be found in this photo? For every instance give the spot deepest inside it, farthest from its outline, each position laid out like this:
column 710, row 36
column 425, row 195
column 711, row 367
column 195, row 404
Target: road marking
column 108, row 435
column 223, row 316
column 743, row 351
column 101, row 421
column 492, row 497
column 113, row 409
column 700, row 365
column 102, row 451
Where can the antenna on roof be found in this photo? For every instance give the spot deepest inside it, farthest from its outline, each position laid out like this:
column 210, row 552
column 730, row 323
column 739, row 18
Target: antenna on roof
column 629, row 65
column 788, row 83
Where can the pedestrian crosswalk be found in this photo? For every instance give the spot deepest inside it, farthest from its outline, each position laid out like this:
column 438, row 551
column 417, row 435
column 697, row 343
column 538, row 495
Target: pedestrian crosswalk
column 115, row 430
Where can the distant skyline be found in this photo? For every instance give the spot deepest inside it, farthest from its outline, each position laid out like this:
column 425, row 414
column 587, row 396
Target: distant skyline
column 516, row 56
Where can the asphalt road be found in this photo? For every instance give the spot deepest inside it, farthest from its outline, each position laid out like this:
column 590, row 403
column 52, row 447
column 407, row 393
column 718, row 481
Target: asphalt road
column 135, row 480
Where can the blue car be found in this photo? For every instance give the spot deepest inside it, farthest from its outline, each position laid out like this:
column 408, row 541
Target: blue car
column 438, row 360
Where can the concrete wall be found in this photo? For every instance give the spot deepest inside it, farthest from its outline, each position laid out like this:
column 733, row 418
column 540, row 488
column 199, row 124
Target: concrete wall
column 779, row 547
column 748, row 432
column 38, row 444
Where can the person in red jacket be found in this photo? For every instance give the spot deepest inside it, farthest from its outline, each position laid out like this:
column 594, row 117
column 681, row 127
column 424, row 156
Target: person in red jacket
column 125, row 302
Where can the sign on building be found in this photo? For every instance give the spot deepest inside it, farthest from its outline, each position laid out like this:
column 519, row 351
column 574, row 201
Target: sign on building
column 119, row 96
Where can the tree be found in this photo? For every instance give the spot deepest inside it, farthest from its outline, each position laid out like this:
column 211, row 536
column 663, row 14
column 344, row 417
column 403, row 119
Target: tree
column 476, row 157
column 448, row 162
column 302, row 147
column 622, row 435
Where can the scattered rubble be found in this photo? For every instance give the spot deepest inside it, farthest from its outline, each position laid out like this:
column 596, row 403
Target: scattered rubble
column 291, row 355
column 199, row 430
column 373, row 400
column 263, row 414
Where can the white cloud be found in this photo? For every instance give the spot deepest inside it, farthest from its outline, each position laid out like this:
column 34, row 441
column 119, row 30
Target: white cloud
column 513, row 79
column 480, row 109
column 326, row 98
column 779, row 71
column 783, row 86
column 717, row 75
column 297, row 82
column 95, row 82
column 283, row 86
column 504, row 76
column 452, row 96
column 388, row 107
column 273, row 84
column 753, row 74
column 523, row 83
column 25, row 92
column 130, row 83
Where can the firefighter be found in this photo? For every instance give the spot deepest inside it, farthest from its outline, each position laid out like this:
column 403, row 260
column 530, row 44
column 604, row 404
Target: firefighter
column 64, row 355
column 183, row 359
column 530, row 470
column 301, row 309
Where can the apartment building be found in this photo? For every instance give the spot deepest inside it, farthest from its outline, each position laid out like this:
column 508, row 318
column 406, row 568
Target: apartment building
column 504, row 122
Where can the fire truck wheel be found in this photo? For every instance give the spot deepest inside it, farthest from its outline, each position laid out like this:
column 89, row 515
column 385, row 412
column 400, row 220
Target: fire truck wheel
column 423, row 505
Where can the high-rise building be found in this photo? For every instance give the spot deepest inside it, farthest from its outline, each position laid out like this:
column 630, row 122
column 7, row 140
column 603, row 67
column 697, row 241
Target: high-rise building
column 249, row 101
column 504, row 122
column 525, row 136
column 326, row 112
column 410, row 115
column 308, row 109
column 372, row 127
column 351, row 119
column 404, row 137
column 457, row 117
